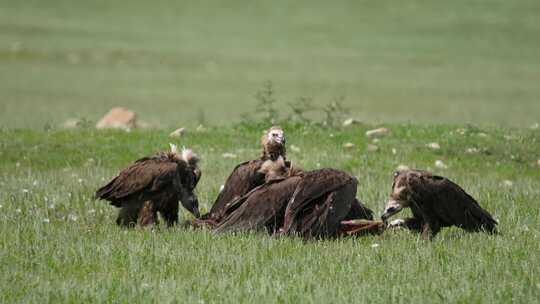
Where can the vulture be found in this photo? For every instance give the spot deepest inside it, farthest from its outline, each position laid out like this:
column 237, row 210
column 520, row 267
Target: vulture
column 154, row 184
column 308, row 204
column 247, row 176
column 435, row 202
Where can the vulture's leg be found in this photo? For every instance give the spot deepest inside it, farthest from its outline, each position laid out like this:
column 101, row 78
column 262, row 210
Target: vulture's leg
column 127, row 216
column 430, row 229
column 170, row 213
column 147, row 214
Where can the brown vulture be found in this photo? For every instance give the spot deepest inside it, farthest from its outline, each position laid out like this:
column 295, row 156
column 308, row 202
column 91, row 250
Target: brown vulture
column 154, row 184
column 435, row 202
column 246, row 176
column 309, row 204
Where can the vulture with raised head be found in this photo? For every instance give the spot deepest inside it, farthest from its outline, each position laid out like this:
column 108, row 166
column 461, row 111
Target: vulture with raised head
column 154, row 184
column 308, row 204
column 246, row 176
column 435, row 202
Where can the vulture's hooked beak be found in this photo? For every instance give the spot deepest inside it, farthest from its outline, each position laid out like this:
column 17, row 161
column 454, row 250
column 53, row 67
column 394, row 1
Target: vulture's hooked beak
column 196, row 212
column 392, row 207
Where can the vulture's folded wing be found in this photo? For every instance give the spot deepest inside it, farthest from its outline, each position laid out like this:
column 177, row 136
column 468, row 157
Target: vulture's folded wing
column 243, row 178
column 263, row 207
column 148, row 173
column 313, row 186
column 459, row 208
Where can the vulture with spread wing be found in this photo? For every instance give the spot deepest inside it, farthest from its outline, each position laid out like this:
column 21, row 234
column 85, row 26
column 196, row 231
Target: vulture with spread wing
column 154, row 184
column 435, row 202
column 246, row 176
column 309, row 204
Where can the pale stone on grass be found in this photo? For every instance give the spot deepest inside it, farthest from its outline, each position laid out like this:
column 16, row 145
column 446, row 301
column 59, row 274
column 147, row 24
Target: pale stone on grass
column 508, row 183
column 228, row 155
column 380, row 132
column 72, row 123
column 178, row 132
column 348, row 145
column 118, row 118
column 372, row 148
column 440, row 164
column 201, row 128
column 434, row 146
column 350, row 122
column 472, row 151
column 402, row 168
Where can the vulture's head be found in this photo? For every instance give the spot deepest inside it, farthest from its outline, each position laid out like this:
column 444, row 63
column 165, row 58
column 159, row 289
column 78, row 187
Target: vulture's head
column 273, row 143
column 401, row 194
column 188, row 175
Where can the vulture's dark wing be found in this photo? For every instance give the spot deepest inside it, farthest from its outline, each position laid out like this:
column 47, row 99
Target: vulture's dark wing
column 314, row 204
column 147, row 174
column 359, row 211
column 454, row 206
column 263, row 207
column 243, row 178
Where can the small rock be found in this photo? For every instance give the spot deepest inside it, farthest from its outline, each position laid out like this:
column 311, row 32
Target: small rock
column 535, row 126
column 402, row 168
column 228, row 155
column 295, row 149
column 472, row 151
column 439, row 164
column 461, row 131
column 118, row 118
column 508, row 183
column 72, row 123
column 372, row 148
column 538, row 163
column 348, row 145
column 201, row 128
column 178, row 132
column 434, row 146
column 377, row 133
column 350, row 122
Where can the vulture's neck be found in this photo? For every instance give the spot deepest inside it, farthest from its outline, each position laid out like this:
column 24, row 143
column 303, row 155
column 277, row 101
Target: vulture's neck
column 273, row 152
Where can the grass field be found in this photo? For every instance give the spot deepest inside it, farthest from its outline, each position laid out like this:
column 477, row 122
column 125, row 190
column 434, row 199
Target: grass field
column 464, row 74
column 422, row 61
column 59, row 245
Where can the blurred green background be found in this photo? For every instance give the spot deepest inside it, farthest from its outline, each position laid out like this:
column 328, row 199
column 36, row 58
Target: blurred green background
column 183, row 62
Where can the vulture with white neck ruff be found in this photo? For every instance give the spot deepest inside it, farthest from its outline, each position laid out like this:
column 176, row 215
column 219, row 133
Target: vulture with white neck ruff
column 247, row 176
column 435, row 202
column 154, row 184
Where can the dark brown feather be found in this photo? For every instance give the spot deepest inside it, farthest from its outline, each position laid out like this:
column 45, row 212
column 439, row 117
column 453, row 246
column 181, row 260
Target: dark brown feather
column 315, row 185
column 150, row 185
column 261, row 208
column 145, row 177
column 243, row 179
column 436, row 202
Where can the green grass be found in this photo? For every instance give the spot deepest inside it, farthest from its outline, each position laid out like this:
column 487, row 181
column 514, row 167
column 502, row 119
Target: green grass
column 423, row 61
column 80, row 255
